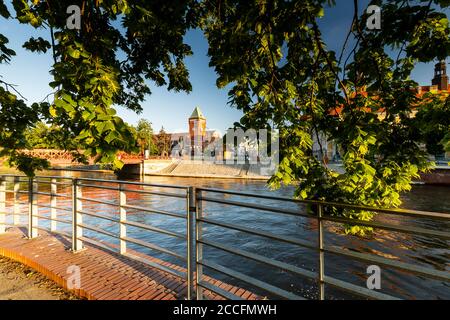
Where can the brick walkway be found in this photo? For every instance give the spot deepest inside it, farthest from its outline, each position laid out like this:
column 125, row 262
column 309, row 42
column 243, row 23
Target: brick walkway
column 104, row 275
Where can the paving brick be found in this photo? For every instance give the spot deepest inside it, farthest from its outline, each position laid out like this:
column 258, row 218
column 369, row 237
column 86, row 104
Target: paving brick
column 105, row 275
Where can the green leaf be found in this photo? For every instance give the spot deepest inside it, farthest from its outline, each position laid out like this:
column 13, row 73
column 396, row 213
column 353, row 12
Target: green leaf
column 74, row 53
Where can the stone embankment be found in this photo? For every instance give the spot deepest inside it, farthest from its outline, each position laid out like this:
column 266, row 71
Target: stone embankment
column 188, row 168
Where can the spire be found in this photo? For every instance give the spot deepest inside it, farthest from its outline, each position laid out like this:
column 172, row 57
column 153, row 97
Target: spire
column 440, row 76
column 197, row 114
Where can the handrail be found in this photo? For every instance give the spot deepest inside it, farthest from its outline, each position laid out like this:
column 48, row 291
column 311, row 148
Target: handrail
column 397, row 211
column 79, row 213
column 318, row 215
column 196, row 221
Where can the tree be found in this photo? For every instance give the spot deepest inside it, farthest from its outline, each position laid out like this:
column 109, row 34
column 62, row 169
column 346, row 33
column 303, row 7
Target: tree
column 446, row 142
column 15, row 117
column 163, row 142
column 144, row 132
column 103, row 64
column 281, row 73
column 434, row 122
column 42, row 136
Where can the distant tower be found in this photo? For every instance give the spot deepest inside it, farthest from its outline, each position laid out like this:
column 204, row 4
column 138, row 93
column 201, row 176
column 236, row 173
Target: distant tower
column 440, row 76
column 197, row 131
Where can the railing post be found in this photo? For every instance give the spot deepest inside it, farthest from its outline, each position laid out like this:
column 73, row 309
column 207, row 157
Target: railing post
column 321, row 253
column 123, row 218
column 198, row 245
column 32, row 209
column 77, row 218
column 2, row 204
column 53, row 211
column 16, row 217
column 191, row 208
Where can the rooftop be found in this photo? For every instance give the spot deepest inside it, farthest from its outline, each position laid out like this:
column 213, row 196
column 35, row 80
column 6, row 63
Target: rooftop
column 197, row 114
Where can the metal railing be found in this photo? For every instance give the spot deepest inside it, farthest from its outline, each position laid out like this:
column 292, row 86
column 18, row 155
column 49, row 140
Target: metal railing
column 76, row 217
column 77, row 213
column 203, row 196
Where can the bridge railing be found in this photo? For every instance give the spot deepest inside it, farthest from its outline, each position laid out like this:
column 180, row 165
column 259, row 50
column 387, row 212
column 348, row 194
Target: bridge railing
column 316, row 213
column 66, row 203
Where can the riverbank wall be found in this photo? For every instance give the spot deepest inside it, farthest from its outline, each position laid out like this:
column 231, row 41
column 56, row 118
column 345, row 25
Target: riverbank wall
column 196, row 169
column 199, row 169
column 438, row 176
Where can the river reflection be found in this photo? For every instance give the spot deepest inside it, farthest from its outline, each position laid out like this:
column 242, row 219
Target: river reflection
column 430, row 252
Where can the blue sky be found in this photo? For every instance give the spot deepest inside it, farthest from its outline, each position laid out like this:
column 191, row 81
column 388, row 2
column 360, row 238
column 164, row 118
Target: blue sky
column 169, row 109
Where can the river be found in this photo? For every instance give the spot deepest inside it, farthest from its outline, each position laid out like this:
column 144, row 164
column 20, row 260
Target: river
column 425, row 251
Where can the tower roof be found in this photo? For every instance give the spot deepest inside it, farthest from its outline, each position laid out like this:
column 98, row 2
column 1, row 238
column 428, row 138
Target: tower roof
column 197, row 114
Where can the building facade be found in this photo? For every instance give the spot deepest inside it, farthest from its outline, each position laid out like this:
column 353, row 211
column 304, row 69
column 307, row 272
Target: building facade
column 194, row 142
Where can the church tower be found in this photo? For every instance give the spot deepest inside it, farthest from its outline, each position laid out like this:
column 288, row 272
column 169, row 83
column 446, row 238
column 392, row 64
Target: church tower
column 197, row 131
column 440, row 76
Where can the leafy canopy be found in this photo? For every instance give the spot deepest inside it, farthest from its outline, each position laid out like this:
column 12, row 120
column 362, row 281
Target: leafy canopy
column 282, row 74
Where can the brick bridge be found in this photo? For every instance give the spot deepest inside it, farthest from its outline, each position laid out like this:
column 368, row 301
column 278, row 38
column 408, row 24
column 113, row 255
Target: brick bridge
column 62, row 157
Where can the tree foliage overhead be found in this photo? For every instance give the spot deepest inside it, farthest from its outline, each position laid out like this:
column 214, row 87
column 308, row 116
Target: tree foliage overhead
column 433, row 120
column 273, row 55
column 121, row 45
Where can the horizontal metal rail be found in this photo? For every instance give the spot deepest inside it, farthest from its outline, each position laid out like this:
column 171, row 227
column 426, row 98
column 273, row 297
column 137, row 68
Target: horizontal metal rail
column 154, row 247
column 96, row 215
column 156, row 193
column 403, row 212
column 351, row 288
column 98, row 230
column 53, row 182
column 158, row 266
column 250, row 280
column 62, row 233
column 9, row 225
column 61, row 195
column 256, row 206
column 223, row 293
column 133, row 183
column 260, row 258
column 163, row 212
column 98, row 186
column 44, row 193
column 109, row 203
column 436, row 274
column 410, row 230
column 379, row 225
column 52, row 219
column 51, row 207
column 269, row 235
column 155, row 229
column 98, row 244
